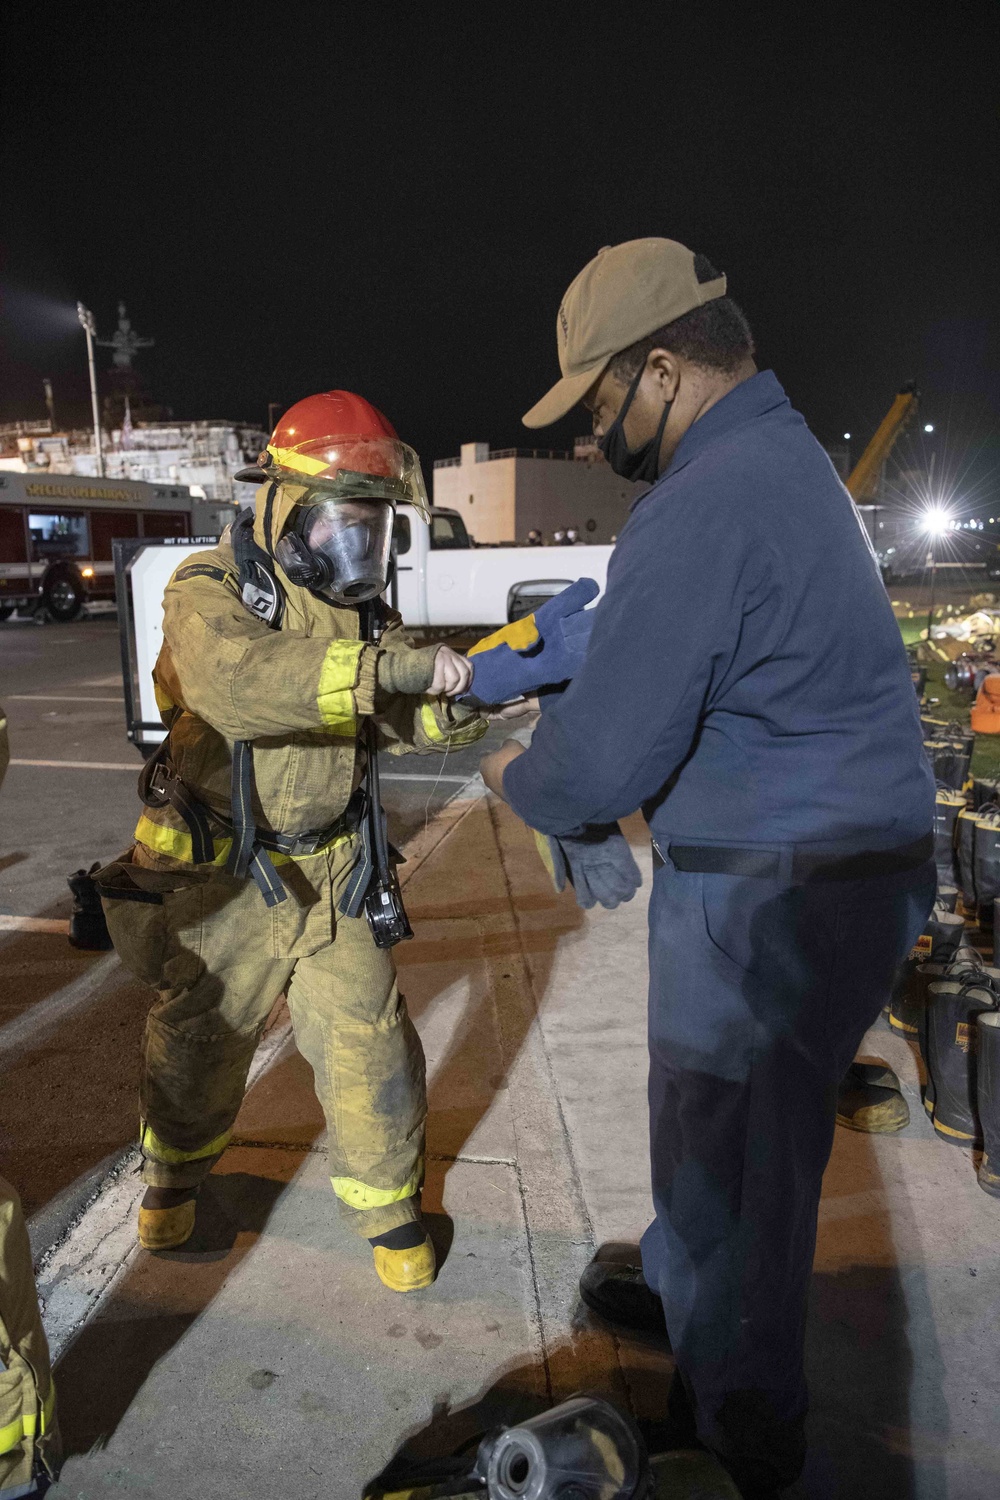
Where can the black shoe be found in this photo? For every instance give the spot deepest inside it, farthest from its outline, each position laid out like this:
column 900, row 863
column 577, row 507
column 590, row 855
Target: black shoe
column 620, row 1295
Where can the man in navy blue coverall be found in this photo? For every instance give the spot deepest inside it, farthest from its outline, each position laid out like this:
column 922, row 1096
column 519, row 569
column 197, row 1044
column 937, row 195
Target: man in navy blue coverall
column 746, row 686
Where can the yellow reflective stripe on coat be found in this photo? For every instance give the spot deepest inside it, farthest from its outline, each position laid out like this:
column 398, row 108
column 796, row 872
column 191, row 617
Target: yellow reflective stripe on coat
column 337, row 680
column 462, row 734
column 176, row 842
column 518, row 635
column 28, row 1425
column 359, row 1195
column 158, row 1150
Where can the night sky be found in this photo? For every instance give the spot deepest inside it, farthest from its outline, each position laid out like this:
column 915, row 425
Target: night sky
column 393, row 198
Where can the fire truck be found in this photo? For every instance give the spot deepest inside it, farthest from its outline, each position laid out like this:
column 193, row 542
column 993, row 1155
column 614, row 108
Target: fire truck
column 56, row 534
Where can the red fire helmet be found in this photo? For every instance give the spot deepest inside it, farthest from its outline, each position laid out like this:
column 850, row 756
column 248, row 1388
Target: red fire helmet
column 347, row 448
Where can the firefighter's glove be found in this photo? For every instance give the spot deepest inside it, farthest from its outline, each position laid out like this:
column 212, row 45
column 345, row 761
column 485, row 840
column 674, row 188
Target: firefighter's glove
column 545, row 647
column 598, row 863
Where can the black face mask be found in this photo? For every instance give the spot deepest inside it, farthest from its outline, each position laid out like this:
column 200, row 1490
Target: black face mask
column 633, row 463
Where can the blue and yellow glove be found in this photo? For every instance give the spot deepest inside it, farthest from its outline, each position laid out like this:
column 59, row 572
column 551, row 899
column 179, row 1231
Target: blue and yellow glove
column 543, row 648
column 597, row 862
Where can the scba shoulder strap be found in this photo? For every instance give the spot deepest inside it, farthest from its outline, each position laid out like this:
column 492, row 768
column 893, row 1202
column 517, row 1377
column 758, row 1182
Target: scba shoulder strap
column 259, row 588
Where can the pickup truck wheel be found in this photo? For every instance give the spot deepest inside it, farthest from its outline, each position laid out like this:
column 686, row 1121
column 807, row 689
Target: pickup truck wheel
column 63, row 597
column 6, row 610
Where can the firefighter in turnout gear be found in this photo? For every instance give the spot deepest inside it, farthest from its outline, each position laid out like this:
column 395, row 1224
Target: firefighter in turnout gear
column 29, row 1434
column 249, row 869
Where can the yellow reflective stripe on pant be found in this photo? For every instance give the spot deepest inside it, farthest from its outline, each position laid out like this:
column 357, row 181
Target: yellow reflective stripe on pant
column 337, row 680
column 158, row 1150
column 360, row 1196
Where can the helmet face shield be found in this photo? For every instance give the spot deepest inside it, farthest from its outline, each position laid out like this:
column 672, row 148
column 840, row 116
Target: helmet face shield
column 357, row 468
column 351, row 542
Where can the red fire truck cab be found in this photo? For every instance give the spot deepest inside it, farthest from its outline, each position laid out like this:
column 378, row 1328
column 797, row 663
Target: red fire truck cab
column 56, row 532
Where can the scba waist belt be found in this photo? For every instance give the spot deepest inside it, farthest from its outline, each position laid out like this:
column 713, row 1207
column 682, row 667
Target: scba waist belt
column 806, row 865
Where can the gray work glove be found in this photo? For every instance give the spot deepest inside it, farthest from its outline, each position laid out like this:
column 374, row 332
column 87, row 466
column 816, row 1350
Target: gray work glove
column 598, row 863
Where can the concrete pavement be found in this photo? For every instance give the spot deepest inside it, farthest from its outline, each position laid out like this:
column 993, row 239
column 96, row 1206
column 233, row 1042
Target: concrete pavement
column 266, row 1359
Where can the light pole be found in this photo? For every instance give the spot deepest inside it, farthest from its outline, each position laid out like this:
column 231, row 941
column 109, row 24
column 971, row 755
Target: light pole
column 86, row 318
column 936, row 523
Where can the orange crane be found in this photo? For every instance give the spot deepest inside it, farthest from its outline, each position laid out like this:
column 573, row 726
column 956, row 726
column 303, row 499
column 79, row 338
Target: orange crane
column 865, row 477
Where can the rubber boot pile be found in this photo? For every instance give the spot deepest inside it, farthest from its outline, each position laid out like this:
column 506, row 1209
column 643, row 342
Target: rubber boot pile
column 947, row 997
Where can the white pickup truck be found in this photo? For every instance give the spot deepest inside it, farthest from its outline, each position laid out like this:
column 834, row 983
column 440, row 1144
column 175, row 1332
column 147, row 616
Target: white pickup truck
column 441, row 579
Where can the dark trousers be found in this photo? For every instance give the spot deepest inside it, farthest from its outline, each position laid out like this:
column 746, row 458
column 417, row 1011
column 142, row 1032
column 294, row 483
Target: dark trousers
column 759, row 994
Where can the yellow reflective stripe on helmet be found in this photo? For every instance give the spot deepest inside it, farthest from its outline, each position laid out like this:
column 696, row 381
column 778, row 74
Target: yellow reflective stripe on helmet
column 462, row 734
column 301, row 463
column 337, row 680
column 359, row 1195
column 176, row 842
column 29, row 1424
column 518, row 635
column 158, row 1150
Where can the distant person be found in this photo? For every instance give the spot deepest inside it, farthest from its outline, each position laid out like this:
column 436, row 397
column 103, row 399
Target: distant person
column 535, row 538
column 573, row 538
column 747, row 687
column 29, row 1433
column 559, row 538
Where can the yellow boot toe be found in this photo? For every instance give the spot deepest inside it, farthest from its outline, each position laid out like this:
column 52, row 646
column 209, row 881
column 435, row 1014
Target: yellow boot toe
column 406, row 1270
column 166, row 1228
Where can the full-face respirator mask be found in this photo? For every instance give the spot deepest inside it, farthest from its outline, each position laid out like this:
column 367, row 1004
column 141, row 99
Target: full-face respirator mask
column 339, row 549
column 338, row 542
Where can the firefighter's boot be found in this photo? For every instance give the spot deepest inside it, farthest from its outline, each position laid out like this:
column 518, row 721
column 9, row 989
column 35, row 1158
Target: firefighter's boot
column 166, row 1218
column 937, row 944
column 954, row 1008
column 870, row 1099
column 87, row 927
column 404, row 1258
column 988, row 1100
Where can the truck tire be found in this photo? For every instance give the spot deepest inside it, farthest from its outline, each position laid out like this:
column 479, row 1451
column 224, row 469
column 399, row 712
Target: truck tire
column 63, row 595
column 6, row 610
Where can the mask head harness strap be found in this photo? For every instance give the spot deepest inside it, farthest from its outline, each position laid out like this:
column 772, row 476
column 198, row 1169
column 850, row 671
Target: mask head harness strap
column 259, row 589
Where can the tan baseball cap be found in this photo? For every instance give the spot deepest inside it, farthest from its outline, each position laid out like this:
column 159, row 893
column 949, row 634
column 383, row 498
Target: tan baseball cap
column 625, row 293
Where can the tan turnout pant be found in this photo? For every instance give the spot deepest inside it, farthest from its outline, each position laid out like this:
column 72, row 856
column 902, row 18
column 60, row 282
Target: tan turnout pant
column 28, row 1429
column 218, row 959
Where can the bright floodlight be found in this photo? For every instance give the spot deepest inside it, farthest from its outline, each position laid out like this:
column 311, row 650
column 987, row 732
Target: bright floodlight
column 847, row 437
column 928, row 426
column 936, row 522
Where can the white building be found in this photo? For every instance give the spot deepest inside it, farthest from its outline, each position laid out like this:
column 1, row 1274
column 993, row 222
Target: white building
column 201, row 455
column 503, row 495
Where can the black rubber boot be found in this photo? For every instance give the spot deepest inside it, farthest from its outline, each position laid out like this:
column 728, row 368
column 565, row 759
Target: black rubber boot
column 87, row 927
column 954, row 1007
column 988, row 1100
column 965, row 841
column 870, row 1099
column 986, row 863
column 948, row 804
column 937, row 944
column 947, row 897
column 620, row 1295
